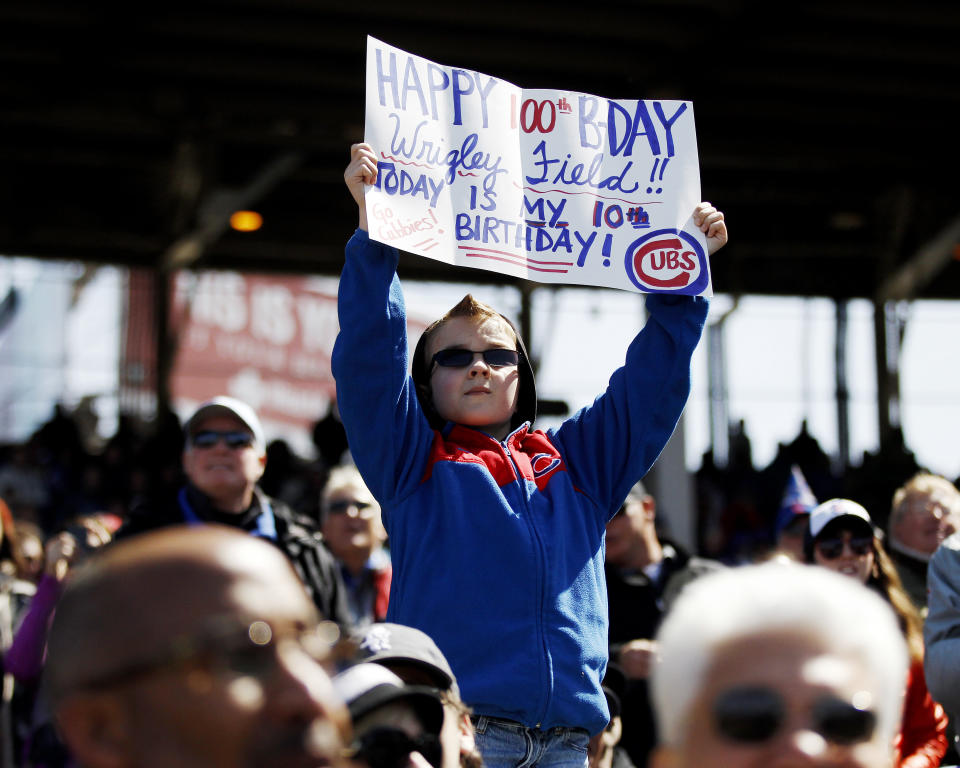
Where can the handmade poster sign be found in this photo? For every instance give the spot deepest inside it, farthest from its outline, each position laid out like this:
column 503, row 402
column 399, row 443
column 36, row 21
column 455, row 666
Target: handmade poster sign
column 551, row 186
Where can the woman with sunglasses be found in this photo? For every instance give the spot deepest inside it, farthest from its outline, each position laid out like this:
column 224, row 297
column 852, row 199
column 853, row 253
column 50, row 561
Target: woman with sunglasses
column 840, row 536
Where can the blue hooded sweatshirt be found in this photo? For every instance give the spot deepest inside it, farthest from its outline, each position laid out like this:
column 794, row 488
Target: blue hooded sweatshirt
column 498, row 546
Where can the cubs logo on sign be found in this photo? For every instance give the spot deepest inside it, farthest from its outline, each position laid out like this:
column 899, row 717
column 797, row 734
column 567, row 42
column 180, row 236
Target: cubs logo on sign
column 667, row 261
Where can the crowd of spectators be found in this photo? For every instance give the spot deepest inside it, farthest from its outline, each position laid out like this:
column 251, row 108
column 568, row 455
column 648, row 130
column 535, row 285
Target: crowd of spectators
column 53, row 515
column 497, row 596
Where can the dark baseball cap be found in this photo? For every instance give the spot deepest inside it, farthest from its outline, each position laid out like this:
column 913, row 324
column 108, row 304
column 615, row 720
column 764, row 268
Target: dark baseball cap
column 388, row 643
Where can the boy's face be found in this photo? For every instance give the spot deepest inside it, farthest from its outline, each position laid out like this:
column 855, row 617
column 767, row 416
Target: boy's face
column 478, row 395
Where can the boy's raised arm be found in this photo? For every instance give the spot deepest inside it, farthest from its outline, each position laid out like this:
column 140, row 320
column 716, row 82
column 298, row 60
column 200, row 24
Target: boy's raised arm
column 361, row 170
column 611, row 444
column 388, row 433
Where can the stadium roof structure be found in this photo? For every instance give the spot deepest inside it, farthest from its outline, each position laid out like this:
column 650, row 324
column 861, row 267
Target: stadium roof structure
column 826, row 129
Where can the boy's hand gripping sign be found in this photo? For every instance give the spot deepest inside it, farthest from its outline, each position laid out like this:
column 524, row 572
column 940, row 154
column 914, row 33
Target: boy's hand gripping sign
column 552, row 186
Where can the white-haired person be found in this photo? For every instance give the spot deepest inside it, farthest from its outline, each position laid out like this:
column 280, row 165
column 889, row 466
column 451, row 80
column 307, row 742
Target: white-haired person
column 924, row 511
column 841, row 537
column 778, row 664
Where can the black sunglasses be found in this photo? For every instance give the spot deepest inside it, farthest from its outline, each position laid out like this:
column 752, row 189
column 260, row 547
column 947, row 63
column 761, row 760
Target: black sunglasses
column 390, row 747
column 832, row 548
column 457, row 357
column 753, row 715
column 207, row 438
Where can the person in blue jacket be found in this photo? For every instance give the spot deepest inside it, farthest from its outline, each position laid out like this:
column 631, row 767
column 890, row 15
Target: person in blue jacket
column 497, row 530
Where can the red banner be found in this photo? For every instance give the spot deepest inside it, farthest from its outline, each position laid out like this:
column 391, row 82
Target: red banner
column 264, row 339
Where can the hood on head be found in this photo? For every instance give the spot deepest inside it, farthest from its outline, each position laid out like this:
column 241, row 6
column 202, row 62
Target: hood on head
column 526, row 398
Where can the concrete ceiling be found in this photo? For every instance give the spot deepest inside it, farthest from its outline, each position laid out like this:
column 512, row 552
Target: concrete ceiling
column 827, row 129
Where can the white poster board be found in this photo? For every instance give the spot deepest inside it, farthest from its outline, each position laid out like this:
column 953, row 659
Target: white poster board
column 551, row 186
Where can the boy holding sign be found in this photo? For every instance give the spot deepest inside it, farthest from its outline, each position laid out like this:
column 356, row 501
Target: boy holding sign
column 496, row 530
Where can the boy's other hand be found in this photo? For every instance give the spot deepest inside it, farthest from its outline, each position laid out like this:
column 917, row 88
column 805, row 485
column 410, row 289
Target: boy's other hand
column 711, row 223
column 638, row 657
column 362, row 170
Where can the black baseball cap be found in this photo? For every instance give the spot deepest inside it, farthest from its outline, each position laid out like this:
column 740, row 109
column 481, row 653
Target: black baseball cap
column 387, row 643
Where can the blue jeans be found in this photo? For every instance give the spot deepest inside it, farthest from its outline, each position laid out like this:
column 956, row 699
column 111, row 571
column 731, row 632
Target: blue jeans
column 506, row 744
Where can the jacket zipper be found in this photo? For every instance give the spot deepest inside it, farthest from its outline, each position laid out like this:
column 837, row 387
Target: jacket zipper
column 540, row 571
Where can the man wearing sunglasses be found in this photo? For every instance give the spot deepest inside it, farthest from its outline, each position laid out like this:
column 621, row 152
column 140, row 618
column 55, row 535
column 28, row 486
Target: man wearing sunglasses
column 224, row 457
column 779, row 664
column 193, row 648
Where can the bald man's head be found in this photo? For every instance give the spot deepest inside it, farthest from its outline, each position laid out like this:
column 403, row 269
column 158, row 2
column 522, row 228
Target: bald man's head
column 209, row 641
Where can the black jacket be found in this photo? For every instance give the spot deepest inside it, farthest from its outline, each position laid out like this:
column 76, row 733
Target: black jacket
column 297, row 536
column 637, row 604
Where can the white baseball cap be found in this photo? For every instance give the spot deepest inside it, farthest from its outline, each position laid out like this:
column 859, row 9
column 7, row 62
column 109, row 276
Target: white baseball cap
column 834, row 508
column 236, row 408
